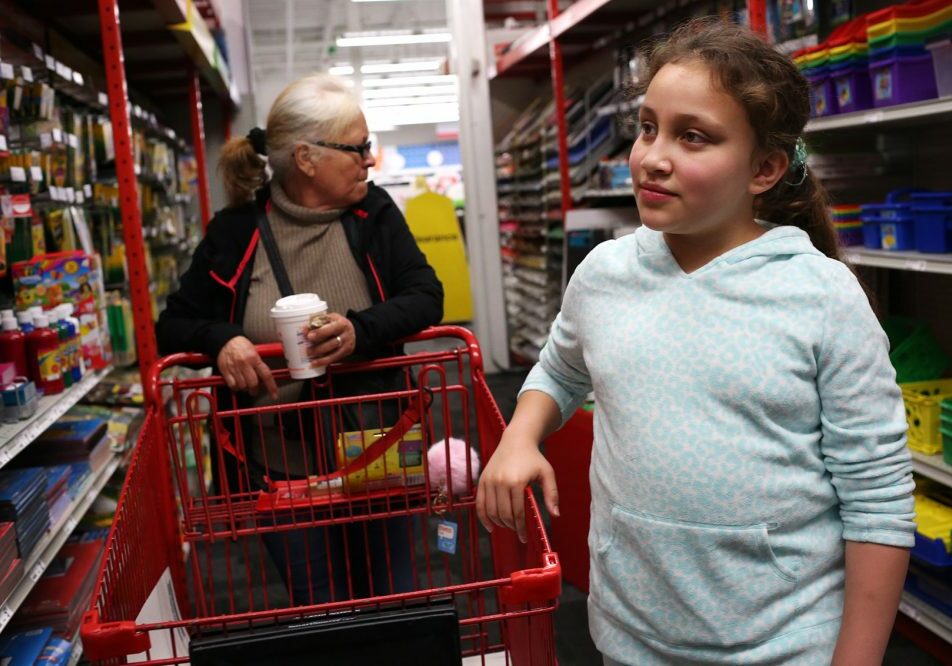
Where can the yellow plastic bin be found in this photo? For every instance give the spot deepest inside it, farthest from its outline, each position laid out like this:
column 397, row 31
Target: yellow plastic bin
column 923, row 412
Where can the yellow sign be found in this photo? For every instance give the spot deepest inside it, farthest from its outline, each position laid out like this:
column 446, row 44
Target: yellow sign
column 432, row 221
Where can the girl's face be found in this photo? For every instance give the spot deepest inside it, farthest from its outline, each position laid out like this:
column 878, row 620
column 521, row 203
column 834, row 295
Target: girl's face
column 694, row 165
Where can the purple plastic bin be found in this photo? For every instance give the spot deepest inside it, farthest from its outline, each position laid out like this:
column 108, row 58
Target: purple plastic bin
column 902, row 79
column 854, row 91
column 851, row 236
column 822, row 95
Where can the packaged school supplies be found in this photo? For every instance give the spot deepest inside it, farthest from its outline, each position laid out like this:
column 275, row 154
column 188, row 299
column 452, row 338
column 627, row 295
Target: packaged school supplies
column 401, row 465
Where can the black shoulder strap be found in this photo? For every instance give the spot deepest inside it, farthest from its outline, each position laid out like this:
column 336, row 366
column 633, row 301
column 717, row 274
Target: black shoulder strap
column 271, row 247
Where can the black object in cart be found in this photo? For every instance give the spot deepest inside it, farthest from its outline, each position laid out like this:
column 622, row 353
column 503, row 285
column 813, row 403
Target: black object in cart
column 397, row 637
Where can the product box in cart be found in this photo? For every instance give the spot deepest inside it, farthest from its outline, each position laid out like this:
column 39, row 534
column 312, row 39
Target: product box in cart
column 401, row 465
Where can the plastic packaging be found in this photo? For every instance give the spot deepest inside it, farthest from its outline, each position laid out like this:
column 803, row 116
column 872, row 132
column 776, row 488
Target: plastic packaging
column 42, row 348
column 75, row 351
column 25, row 320
column 13, row 346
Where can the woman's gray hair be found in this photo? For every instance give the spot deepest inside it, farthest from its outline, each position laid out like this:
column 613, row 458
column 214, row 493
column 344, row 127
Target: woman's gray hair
column 316, row 107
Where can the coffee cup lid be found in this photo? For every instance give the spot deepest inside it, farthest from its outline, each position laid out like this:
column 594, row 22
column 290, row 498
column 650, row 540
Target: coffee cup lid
column 297, row 304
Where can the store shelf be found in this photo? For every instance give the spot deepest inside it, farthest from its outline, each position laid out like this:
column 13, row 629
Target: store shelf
column 51, row 543
column 609, row 194
column 14, row 437
column 931, row 618
column 933, row 110
column 932, row 467
column 900, row 261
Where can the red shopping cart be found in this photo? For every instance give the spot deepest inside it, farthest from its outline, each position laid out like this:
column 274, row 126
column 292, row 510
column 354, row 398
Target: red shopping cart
column 319, row 517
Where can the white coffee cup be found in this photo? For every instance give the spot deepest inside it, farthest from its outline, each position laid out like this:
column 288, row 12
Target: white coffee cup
column 291, row 316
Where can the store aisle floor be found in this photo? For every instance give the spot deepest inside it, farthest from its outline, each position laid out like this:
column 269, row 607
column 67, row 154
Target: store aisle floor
column 573, row 642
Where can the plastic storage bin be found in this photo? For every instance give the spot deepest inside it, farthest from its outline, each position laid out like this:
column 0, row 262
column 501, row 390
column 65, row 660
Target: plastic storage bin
column 871, row 236
column 853, row 89
column 900, row 79
column 914, row 351
column 898, row 233
column 923, row 404
column 942, row 64
column 933, row 228
column 945, row 429
column 822, row 95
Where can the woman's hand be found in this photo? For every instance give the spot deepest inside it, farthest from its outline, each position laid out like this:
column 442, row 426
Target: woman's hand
column 332, row 342
column 501, row 495
column 242, row 369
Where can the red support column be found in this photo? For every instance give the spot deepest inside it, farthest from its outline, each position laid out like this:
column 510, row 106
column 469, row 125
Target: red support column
column 128, row 187
column 757, row 16
column 558, row 89
column 198, row 139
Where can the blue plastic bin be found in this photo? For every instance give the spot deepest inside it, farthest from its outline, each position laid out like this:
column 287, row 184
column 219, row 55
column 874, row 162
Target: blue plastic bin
column 933, row 228
column 871, row 236
column 898, row 233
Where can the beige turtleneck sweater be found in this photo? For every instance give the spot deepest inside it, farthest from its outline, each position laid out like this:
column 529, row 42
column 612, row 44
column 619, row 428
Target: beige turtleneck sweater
column 317, row 259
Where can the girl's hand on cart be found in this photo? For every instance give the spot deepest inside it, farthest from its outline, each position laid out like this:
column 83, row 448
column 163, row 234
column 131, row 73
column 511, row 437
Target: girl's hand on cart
column 332, row 342
column 242, row 369
column 500, row 498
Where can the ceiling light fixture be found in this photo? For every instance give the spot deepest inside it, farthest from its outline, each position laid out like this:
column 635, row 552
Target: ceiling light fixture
column 410, row 101
column 408, row 66
column 409, row 80
column 377, row 39
column 341, row 70
column 409, row 91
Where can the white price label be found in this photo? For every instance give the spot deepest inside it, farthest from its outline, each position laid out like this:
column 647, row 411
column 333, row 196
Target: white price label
column 37, row 572
column 71, row 524
column 57, row 135
column 73, row 141
column 3, row 143
column 54, row 193
column 17, row 174
column 50, row 63
column 5, row 457
column 46, row 140
column 36, row 174
column 37, row 52
column 70, row 195
column 874, row 117
column 27, row 74
column 79, row 197
column 908, row 610
column 88, row 190
column 5, row 614
column 103, row 99
column 78, row 78
column 6, row 70
column 64, row 71
column 915, row 265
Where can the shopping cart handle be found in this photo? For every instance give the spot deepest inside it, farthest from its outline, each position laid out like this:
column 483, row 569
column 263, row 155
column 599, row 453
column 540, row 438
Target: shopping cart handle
column 539, row 585
column 109, row 640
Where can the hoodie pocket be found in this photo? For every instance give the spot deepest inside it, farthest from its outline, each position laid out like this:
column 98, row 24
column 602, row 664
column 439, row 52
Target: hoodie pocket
column 692, row 584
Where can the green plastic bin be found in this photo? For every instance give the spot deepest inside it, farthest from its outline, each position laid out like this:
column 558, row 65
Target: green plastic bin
column 915, row 353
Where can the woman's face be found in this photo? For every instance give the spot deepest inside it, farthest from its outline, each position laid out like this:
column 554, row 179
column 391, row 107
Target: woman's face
column 339, row 177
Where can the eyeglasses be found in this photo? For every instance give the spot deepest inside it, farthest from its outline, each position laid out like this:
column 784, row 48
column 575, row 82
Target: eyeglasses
column 362, row 149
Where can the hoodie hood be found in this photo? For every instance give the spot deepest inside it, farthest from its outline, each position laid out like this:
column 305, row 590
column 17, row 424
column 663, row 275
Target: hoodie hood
column 778, row 241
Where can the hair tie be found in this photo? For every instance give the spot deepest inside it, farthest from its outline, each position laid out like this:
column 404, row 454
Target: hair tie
column 799, row 162
column 259, row 140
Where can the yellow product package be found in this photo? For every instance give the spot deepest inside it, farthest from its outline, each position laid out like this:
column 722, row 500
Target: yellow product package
column 400, row 466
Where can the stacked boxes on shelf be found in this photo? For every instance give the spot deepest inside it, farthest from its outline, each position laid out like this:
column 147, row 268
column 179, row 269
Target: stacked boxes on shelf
column 909, row 220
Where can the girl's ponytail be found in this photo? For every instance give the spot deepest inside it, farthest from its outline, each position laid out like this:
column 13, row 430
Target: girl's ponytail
column 242, row 170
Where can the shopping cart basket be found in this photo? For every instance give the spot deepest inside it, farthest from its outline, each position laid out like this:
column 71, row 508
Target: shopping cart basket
column 241, row 521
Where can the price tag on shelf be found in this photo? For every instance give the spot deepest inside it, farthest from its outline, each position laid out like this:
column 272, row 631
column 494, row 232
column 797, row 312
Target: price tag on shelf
column 3, row 143
column 17, row 174
column 27, row 74
column 73, row 141
column 36, row 174
column 919, row 265
column 57, row 135
column 37, row 52
column 88, row 190
column 71, row 525
column 79, row 197
column 6, row 455
column 874, row 117
column 64, row 71
column 6, row 71
column 103, row 99
column 70, row 195
column 37, row 571
column 5, row 614
column 50, row 63
column 78, row 78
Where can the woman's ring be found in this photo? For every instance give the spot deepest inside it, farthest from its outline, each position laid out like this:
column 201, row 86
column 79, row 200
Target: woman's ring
column 340, row 343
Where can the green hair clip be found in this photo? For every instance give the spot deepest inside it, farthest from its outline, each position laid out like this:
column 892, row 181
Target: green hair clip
column 799, row 162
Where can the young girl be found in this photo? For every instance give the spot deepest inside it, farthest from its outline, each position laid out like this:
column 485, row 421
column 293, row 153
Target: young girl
column 751, row 487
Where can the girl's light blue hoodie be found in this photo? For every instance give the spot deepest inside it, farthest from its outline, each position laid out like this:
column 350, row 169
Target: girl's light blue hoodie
column 747, row 422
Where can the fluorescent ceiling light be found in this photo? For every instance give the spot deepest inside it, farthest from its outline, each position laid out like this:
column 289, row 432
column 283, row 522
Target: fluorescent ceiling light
column 411, row 66
column 410, row 101
column 341, row 70
column 409, row 91
column 393, row 39
column 411, row 115
column 409, row 80
column 376, row 0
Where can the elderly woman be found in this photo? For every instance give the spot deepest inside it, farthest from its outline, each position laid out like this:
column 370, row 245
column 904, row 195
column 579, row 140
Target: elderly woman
column 318, row 225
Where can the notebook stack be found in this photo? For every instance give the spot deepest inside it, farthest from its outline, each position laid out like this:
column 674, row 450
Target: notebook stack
column 69, row 442
column 57, row 497
column 64, row 592
column 23, row 501
column 11, row 566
